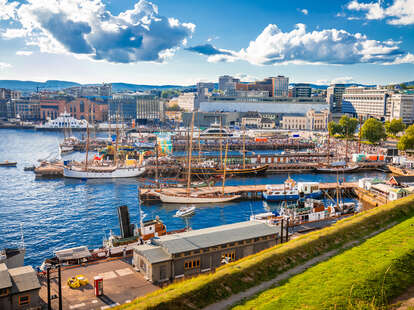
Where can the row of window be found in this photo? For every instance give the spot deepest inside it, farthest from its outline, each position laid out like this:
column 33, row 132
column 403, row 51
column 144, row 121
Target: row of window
column 191, row 264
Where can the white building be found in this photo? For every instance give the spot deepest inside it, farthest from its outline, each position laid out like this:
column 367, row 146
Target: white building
column 401, row 106
column 312, row 120
column 280, row 86
column 227, row 83
column 186, row 101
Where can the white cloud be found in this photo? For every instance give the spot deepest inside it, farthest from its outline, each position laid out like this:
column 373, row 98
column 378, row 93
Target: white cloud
column 7, row 9
column 329, row 46
column 304, row 11
column 400, row 12
column 4, row 65
column 405, row 59
column 86, row 28
column 246, row 77
column 24, row 53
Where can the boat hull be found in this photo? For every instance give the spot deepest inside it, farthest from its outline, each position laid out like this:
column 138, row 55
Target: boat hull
column 268, row 197
column 117, row 173
column 400, row 171
column 239, row 172
column 194, row 200
column 8, row 164
column 335, row 170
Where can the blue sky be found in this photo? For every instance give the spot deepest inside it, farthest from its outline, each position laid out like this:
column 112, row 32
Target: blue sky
column 183, row 42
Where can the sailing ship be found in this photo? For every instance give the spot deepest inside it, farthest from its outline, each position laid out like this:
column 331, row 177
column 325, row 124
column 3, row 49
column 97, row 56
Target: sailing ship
column 103, row 170
column 191, row 195
column 400, row 170
column 340, row 166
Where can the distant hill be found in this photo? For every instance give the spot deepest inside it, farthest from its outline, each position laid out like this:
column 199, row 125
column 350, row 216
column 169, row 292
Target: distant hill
column 317, row 86
column 31, row 86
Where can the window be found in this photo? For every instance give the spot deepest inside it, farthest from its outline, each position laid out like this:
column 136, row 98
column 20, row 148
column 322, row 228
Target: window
column 191, row 264
column 4, row 291
column 24, row 300
column 229, row 256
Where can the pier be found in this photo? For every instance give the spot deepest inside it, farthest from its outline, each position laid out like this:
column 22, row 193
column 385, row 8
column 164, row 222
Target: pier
column 247, row 192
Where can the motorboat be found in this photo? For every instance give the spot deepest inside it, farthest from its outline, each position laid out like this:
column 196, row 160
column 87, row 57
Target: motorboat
column 185, row 211
column 291, row 190
column 7, row 163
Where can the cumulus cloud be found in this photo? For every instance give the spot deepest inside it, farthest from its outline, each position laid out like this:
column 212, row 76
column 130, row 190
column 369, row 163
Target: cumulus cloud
column 7, row 9
column 400, row 12
column 4, row 65
column 24, row 53
column 329, row 46
column 304, row 11
column 86, row 27
column 207, row 49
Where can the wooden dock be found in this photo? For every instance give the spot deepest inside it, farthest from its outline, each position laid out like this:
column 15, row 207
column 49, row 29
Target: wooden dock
column 247, row 192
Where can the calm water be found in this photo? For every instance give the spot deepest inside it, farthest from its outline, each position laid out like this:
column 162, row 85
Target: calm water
column 64, row 213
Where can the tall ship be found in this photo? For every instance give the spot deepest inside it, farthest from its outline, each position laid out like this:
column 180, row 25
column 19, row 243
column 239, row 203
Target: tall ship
column 64, row 121
column 103, row 170
column 340, row 166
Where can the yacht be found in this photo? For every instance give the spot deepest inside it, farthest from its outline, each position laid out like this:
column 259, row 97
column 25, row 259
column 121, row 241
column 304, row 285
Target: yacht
column 64, row 121
column 215, row 131
column 291, row 191
column 102, row 172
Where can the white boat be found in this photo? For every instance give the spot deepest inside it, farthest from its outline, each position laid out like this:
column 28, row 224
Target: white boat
column 64, row 121
column 194, row 198
column 67, row 146
column 291, row 190
column 102, row 172
column 216, row 131
column 186, row 211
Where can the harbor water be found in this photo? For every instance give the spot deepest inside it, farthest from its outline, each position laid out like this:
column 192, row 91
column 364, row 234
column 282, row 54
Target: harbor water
column 63, row 213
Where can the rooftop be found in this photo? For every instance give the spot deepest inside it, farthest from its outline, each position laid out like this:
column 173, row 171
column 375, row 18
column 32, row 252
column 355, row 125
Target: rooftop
column 24, row 279
column 4, row 277
column 213, row 236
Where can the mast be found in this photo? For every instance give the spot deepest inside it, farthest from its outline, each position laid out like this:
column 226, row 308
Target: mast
column 329, row 148
column 190, row 151
column 116, row 145
column 337, row 189
column 221, row 147
column 244, row 147
column 156, row 165
column 359, row 134
column 87, row 147
column 224, row 165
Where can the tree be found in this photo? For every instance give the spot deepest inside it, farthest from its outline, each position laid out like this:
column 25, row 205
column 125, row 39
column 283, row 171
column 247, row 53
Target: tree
column 373, row 130
column 348, row 125
column 334, row 128
column 407, row 140
column 174, row 107
column 394, row 127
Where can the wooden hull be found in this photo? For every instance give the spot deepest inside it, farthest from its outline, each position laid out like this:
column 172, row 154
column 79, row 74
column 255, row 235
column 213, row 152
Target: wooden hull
column 8, row 164
column 239, row 172
column 401, row 171
column 195, row 200
column 116, row 173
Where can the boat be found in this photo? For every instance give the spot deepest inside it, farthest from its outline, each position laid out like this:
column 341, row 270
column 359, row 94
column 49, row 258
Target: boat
column 7, row 163
column 102, row 170
column 237, row 171
column 270, row 218
column 291, row 190
column 340, row 166
column 400, row 170
column 185, row 211
column 64, row 121
column 68, row 145
column 215, row 131
column 195, row 195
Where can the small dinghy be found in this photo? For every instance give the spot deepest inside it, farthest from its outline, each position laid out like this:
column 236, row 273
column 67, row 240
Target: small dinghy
column 186, row 211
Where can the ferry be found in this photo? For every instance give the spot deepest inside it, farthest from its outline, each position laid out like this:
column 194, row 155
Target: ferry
column 291, row 191
column 64, row 121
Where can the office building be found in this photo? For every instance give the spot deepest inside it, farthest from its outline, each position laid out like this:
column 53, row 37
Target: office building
column 142, row 108
column 366, row 101
column 280, row 86
column 227, row 83
column 401, row 106
column 334, row 97
column 301, row 90
column 176, row 256
column 275, row 86
column 27, row 110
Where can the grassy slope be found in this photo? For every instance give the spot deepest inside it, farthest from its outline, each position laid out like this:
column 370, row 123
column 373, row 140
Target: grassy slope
column 206, row 289
column 366, row 276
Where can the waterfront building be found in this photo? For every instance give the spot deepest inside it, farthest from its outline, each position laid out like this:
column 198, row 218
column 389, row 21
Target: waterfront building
column 334, row 97
column 280, row 86
column 227, row 83
column 312, row 120
column 142, row 108
column 301, row 90
column 27, row 110
column 275, row 86
column 401, row 106
column 51, row 109
column 172, row 257
column 186, row 101
column 19, row 288
column 248, row 93
column 251, row 120
column 7, row 94
column 206, row 119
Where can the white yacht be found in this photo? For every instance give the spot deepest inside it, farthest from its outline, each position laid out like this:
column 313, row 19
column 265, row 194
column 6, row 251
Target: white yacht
column 102, row 172
column 215, row 130
column 64, row 121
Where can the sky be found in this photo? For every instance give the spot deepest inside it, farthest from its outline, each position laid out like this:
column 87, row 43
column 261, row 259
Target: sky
column 184, row 42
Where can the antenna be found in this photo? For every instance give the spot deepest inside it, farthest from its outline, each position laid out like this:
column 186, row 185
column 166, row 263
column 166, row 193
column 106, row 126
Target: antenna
column 21, row 232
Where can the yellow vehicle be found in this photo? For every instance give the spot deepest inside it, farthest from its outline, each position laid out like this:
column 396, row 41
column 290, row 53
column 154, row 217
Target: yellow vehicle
column 77, row 281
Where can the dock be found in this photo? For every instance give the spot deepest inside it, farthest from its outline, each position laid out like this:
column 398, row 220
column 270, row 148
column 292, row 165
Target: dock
column 247, row 192
column 117, row 274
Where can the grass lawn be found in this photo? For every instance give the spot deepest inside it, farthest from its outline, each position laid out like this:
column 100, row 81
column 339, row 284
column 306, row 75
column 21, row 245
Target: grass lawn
column 364, row 277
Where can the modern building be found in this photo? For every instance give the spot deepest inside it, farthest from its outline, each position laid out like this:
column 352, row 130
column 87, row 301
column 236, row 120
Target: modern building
column 142, row 108
column 275, row 86
column 301, row 90
column 280, row 86
column 227, row 83
column 334, row 97
column 312, row 120
column 27, row 110
column 176, row 256
column 19, row 288
column 186, row 101
column 6, row 94
column 104, row 90
column 401, row 106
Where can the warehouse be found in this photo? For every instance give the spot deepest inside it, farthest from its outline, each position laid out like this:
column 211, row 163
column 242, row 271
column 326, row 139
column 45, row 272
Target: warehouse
column 172, row 257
